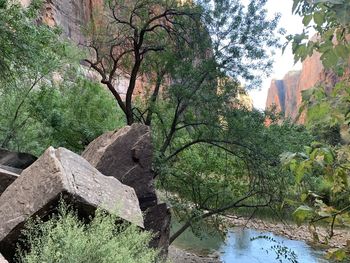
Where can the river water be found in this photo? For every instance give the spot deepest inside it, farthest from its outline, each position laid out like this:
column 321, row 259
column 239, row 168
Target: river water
column 242, row 245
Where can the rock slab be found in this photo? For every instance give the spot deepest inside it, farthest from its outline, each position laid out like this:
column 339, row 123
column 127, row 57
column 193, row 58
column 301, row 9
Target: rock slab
column 126, row 155
column 61, row 173
column 157, row 221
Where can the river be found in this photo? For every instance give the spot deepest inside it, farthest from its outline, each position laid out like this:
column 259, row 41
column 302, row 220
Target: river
column 243, row 245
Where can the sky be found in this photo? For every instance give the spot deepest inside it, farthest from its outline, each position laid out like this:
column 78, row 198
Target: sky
column 283, row 63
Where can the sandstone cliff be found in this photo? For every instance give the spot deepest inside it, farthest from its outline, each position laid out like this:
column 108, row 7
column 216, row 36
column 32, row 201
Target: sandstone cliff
column 282, row 93
column 70, row 15
column 286, row 93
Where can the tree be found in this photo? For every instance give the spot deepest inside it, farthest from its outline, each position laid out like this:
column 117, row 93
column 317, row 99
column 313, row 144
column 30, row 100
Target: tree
column 30, row 53
column 193, row 75
column 234, row 40
column 137, row 28
column 236, row 167
column 39, row 83
column 26, row 46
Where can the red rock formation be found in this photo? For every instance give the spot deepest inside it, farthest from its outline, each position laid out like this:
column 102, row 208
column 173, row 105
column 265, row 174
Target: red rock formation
column 282, row 92
column 289, row 100
column 70, row 15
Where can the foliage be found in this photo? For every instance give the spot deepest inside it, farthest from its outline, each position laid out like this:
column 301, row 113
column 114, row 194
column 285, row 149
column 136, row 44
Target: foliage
column 234, row 167
column 330, row 20
column 322, row 169
column 212, row 40
column 70, row 122
column 322, row 179
column 27, row 48
column 327, row 113
column 52, row 115
column 64, row 238
column 322, row 182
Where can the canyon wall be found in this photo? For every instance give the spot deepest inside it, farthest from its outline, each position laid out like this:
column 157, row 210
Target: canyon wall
column 70, row 15
column 285, row 94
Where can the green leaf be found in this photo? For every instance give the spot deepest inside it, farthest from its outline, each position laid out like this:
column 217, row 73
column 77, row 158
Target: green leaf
column 338, row 254
column 329, row 59
column 300, row 172
column 295, row 5
column 341, row 51
column 319, row 18
column 302, row 213
column 306, row 20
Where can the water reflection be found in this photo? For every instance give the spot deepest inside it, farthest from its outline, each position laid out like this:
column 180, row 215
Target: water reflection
column 240, row 248
column 242, row 240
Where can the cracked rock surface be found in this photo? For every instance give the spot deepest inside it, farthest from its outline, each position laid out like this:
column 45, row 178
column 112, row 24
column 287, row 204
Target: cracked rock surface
column 60, row 173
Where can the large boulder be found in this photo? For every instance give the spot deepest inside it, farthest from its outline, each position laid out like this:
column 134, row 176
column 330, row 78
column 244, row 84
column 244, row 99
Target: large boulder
column 16, row 159
column 61, row 174
column 157, row 220
column 127, row 156
column 7, row 177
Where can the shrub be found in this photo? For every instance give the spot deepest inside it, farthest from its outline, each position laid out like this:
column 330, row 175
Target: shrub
column 65, row 238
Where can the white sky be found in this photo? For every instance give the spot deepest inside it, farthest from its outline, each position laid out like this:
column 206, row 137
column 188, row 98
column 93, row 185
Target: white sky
column 283, row 63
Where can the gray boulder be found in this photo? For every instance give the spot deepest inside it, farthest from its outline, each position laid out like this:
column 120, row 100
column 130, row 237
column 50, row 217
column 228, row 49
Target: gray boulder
column 126, row 155
column 157, row 220
column 7, row 176
column 16, row 159
column 61, row 173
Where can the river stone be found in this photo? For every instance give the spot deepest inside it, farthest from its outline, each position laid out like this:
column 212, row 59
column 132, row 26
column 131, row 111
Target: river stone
column 157, row 220
column 16, row 159
column 61, row 173
column 7, row 177
column 126, row 155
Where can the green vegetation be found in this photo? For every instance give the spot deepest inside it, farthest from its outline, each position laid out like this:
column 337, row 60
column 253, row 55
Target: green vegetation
column 321, row 170
column 39, row 86
column 213, row 155
column 26, row 48
column 66, row 239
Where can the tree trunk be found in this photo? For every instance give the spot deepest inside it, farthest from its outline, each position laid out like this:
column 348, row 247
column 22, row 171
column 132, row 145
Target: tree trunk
column 153, row 98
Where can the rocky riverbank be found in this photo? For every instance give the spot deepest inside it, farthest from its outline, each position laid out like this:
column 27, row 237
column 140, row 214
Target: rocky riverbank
column 177, row 255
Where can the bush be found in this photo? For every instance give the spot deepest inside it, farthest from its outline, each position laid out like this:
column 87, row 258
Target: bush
column 64, row 238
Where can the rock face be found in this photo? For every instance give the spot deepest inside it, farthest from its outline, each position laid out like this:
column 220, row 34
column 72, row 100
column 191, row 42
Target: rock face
column 286, row 93
column 127, row 156
column 7, row 177
column 15, row 159
column 276, row 95
column 70, row 15
column 282, row 93
column 61, row 173
column 160, row 228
